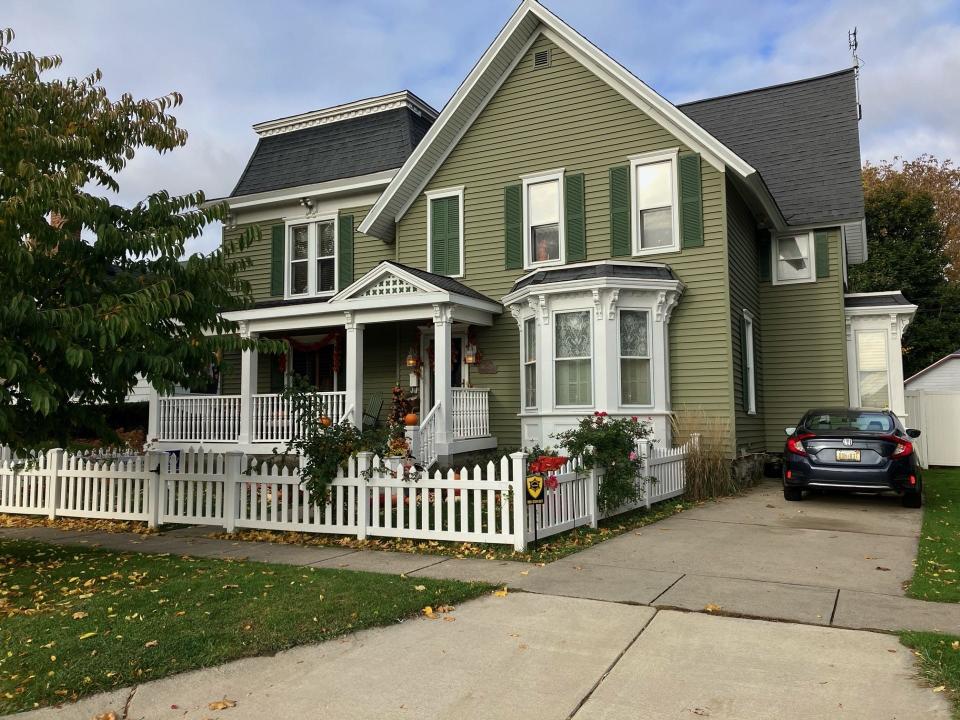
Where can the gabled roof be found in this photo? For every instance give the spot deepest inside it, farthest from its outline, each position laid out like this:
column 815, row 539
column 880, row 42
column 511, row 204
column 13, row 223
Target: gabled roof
column 346, row 141
column 391, row 278
column 802, row 137
column 946, row 358
column 529, row 20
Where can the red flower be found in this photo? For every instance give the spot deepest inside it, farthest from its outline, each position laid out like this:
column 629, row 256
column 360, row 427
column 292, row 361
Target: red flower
column 552, row 482
column 547, row 463
column 634, row 418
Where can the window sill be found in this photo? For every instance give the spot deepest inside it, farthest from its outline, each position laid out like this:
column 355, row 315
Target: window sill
column 656, row 251
column 806, row 281
column 532, row 267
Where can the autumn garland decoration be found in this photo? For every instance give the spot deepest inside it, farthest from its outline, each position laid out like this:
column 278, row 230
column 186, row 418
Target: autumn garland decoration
column 609, row 445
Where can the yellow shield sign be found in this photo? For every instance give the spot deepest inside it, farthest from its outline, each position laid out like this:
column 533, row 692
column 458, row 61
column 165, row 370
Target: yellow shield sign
column 534, row 490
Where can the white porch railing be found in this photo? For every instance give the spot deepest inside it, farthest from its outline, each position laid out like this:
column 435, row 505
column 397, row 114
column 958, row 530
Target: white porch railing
column 428, row 438
column 471, row 412
column 199, row 418
column 274, row 421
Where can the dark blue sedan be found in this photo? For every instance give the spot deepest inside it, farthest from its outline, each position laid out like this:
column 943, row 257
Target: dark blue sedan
column 852, row 449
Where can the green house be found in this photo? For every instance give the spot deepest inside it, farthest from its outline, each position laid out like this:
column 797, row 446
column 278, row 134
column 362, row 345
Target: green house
column 559, row 240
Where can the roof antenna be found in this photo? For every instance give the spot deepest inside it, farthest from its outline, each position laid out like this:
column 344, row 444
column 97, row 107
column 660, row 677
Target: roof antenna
column 853, row 44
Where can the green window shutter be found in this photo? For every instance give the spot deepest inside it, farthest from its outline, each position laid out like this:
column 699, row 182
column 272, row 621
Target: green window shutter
column 276, row 260
column 513, row 227
column 438, row 236
column 620, row 243
column 765, row 258
column 453, row 235
column 691, row 203
column 744, row 370
column 344, row 251
column 576, row 230
column 821, row 243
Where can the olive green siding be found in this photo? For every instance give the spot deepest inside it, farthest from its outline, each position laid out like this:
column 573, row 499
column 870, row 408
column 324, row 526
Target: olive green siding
column 803, row 335
column 230, row 373
column 745, row 295
column 368, row 251
column 565, row 116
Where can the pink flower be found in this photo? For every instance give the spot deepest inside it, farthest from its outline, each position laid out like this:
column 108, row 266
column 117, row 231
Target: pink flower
column 552, row 482
column 634, row 418
column 633, row 455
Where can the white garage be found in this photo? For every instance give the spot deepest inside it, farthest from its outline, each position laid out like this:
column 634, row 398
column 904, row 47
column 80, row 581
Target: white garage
column 933, row 407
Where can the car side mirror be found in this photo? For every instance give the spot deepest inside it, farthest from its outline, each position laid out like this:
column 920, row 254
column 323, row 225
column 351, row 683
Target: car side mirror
column 913, row 433
column 790, row 430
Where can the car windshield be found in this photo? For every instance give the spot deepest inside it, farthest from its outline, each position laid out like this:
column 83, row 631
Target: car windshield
column 849, row 420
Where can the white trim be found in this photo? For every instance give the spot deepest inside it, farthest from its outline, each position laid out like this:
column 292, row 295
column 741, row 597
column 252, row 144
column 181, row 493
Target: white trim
column 592, row 358
column 529, row 179
column 774, row 254
column 345, row 111
column 650, row 158
column 648, row 358
column 524, row 363
column 313, row 190
column 751, row 364
column 438, row 195
column 311, row 223
column 532, row 18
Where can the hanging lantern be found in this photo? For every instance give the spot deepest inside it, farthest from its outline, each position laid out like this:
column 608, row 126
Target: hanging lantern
column 470, row 355
column 412, row 360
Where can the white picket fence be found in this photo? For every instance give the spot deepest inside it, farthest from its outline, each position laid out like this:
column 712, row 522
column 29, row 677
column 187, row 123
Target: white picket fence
column 231, row 490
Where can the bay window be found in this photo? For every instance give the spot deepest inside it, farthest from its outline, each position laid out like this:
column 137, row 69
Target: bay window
column 530, row 363
column 573, row 355
column 872, row 376
column 634, row 342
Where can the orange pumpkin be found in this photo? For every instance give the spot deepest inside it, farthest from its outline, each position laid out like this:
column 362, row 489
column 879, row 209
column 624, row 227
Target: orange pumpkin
column 325, row 421
column 410, row 419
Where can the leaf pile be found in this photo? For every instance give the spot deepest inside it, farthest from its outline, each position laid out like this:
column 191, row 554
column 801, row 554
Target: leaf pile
column 76, row 524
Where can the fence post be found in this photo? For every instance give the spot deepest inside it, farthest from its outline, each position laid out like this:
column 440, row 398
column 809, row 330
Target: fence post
column 518, row 476
column 155, row 465
column 54, row 459
column 232, row 470
column 364, row 462
column 643, row 447
column 593, row 487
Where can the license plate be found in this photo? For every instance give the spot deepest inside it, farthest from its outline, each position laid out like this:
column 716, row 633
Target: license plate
column 848, row 456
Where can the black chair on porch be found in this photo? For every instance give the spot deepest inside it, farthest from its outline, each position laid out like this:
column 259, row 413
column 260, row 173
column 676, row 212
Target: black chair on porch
column 371, row 416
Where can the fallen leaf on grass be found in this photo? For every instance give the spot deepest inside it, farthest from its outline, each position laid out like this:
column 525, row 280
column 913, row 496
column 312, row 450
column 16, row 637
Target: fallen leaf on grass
column 87, row 635
column 151, row 643
column 428, row 612
column 419, row 588
column 940, row 688
column 79, row 615
column 712, row 608
column 222, row 704
column 955, row 645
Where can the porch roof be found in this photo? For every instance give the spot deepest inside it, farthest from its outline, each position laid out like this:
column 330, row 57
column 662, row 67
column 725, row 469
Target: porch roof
column 390, row 292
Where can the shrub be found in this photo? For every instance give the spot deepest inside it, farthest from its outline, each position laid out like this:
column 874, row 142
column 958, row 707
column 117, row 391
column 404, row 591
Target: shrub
column 710, row 471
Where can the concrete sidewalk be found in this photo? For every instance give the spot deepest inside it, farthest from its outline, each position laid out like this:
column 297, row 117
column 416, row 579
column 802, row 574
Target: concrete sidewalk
column 536, row 656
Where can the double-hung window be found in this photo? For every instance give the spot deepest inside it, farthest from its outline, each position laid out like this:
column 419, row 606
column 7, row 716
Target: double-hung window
column 793, row 259
column 543, row 218
column 655, row 210
column 635, row 386
column 872, row 377
column 530, row 363
column 312, row 258
column 573, row 355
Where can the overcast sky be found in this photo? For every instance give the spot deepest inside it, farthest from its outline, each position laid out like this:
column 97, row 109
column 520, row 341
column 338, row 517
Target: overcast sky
column 238, row 63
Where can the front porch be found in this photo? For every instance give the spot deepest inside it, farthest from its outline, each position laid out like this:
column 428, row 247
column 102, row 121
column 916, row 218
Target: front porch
column 385, row 312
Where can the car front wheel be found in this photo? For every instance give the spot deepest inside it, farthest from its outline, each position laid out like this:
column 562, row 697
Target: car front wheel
column 792, row 494
column 912, row 500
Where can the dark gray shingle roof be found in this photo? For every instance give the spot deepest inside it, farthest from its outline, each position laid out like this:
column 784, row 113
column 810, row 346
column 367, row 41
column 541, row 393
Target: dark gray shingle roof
column 600, row 270
column 881, row 300
column 802, row 137
column 347, row 148
column 442, row 281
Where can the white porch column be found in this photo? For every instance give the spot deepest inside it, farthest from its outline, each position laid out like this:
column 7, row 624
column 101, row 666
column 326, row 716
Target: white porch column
column 354, row 365
column 442, row 365
column 248, row 386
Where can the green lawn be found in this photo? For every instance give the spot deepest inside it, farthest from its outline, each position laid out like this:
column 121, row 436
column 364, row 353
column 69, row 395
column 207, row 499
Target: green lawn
column 76, row 621
column 937, row 575
column 939, row 657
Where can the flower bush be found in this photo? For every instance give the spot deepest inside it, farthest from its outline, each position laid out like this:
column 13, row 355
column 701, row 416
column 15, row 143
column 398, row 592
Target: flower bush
column 609, row 445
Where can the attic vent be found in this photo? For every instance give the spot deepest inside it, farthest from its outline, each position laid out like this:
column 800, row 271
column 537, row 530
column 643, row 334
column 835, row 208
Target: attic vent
column 541, row 59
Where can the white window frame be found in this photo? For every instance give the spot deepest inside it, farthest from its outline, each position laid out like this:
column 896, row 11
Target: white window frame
column 593, row 362
column 649, row 358
column 750, row 360
column 775, row 254
column 650, row 158
column 526, row 332
column 312, row 256
column 432, row 195
column 533, row 179
column 886, row 361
